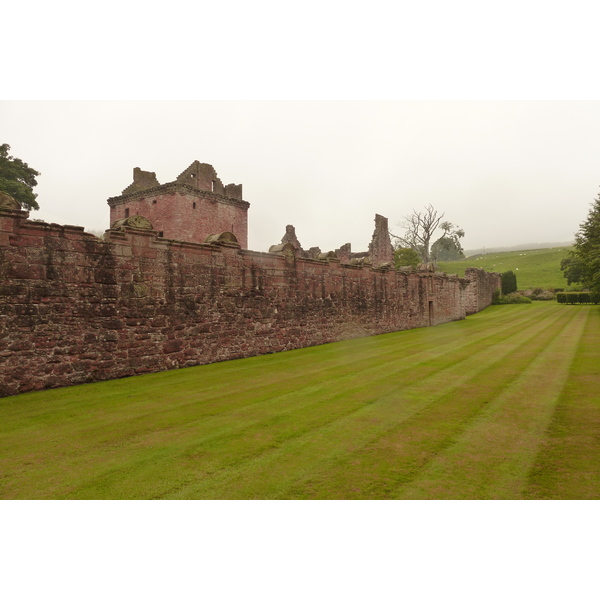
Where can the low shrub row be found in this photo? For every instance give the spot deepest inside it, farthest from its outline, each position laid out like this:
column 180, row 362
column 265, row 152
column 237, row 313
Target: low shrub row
column 526, row 297
column 577, row 298
column 514, row 298
column 539, row 294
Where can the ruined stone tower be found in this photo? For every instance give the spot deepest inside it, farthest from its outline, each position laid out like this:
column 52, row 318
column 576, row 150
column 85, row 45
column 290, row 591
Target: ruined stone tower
column 191, row 208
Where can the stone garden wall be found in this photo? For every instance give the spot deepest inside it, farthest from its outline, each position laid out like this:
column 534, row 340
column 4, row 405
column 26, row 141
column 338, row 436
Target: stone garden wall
column 75, row 308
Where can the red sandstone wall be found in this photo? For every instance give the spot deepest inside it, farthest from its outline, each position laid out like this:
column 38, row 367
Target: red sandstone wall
column 481, row 289
column 187, row 217
column 75, row 309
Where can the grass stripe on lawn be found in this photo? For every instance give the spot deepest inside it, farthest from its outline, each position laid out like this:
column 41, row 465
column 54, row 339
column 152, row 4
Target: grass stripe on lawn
column 399, row 453
column 326, row 458
column 492, row 458
column 568, row 464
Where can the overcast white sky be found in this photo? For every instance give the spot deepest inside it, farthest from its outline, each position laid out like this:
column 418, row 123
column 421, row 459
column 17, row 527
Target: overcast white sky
column 507, row 172
column 326, row 116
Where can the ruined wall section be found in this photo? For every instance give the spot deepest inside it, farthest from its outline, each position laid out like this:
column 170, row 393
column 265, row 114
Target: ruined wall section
column 380, row 248
column 192, row 207
column 142, row 180
column 75, row 308
column 203, row 176
column 481, row 288
column 184, row 213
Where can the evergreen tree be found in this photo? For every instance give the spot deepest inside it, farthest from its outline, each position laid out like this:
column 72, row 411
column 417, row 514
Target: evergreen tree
column 509, row 283
column 17, row 179
column 583, row 263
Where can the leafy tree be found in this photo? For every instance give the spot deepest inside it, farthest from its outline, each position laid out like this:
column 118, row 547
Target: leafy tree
column 406, row 257
column 509, row 283
column 446, row 248
column 572, row 267
column 582, row 265
column 17, row 179
column 419, row 228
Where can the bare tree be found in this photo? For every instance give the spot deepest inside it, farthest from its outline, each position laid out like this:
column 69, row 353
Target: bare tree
column 419, row 228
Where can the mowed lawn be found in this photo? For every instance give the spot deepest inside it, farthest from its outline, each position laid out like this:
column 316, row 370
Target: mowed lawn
column 503, row 405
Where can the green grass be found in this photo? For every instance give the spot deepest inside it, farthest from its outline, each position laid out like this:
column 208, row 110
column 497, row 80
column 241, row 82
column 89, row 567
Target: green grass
column 502, row 405
column 533, row 268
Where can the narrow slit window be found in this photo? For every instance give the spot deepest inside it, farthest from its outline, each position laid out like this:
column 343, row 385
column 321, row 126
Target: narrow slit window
column 193, row 205
column 126, row 213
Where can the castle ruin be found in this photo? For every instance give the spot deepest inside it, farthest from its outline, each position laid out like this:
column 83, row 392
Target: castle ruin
column 172, row 284
column 191, row 208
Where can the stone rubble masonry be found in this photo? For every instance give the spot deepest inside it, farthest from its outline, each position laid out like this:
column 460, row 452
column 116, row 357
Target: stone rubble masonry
column 380, row 253
column 191, row 208
column 481, row 288
column 290, row 238
column 344, row 253
column 75, row 308
column 380, row 249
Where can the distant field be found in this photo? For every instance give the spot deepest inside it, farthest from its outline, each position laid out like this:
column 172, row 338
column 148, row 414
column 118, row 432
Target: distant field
column 503, row 404
column 534, row 268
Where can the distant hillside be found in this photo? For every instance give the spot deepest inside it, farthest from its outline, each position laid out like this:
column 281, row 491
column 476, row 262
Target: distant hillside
column 483, row 251
column 533, row 268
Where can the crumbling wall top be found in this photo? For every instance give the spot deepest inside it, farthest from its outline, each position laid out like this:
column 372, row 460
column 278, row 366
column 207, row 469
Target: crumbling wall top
column 10, row 206
column 380, row 248
column 7, row 202
column 344, row 253
column 290, row 237
column 142, row 180
column 199, row 176
column 203, row 176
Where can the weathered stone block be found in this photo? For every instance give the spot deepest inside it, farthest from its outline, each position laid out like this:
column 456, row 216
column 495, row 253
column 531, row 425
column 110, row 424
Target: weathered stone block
column 172, row 346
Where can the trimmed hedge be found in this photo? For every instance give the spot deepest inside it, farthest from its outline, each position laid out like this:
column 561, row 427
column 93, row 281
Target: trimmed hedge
column 577, row 298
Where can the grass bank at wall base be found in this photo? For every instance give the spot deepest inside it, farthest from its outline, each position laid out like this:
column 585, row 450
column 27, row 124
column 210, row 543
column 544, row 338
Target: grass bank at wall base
column 502, row 405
